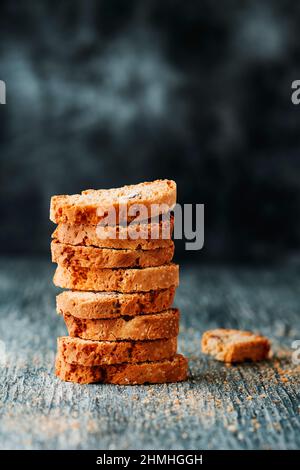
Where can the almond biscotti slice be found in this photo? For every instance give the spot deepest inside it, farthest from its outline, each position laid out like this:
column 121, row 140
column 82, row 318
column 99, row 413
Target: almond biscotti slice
column 161, row 325
column 138, row 236
column 94, row 257
column 92, row 206
column 91, row 305
column 96, row 353
column 235, row 345
column 121, row 280
column 164, row 371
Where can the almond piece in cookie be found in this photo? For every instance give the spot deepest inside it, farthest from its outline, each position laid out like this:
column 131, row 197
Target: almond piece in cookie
column 235, row 345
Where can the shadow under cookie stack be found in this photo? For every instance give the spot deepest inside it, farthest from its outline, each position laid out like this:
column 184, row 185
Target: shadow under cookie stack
column 118, row 312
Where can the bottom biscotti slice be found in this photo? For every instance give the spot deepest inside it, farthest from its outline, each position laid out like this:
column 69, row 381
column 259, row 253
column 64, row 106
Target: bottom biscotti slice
column 168, row 370
column 121, row 280
column 140, row 327
column 113, row 304
column 95, row 353
column 235, row 345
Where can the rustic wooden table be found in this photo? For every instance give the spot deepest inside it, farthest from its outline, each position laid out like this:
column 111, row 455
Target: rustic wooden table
column 219, row 407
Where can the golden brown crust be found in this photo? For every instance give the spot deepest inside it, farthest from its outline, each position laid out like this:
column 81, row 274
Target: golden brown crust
column 131, row 237
column 113, row 304
column 173, row 370
column 91, row 206
column 121, row 280
column 161, row 325
column 94, row 257
column 235, row 345
column 95, row 353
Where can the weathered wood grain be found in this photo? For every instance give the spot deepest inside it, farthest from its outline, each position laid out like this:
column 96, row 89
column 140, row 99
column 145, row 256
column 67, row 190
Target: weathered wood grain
column 243, row 407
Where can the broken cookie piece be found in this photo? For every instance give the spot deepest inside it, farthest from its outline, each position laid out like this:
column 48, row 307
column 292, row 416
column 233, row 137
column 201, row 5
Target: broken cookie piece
column 235, row 345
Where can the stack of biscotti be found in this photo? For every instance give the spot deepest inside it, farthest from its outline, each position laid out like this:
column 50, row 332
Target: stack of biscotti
column 118, row 311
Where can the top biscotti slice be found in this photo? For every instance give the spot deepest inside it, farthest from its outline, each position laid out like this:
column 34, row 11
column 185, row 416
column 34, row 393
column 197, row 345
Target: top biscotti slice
column 150, row 199
column 120, row 280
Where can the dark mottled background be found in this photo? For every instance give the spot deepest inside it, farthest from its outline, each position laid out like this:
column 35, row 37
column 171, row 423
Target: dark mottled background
column 103, row 93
